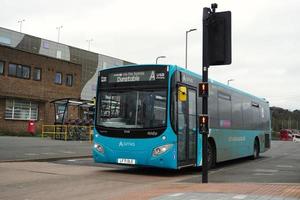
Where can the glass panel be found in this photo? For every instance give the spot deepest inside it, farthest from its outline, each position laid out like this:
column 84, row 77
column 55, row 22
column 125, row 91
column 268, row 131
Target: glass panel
column 192, row 102
column 192, row 137
column 192, row 124
column 9, row 109
column 132, row 109
column 37, row 74
column 12, row 69
column 19, row 71
column 25, row 72
column 69, row 81
column 1, row 67
column 22, row 110
column 58, row 77
column 60, row 111
column 182, row 137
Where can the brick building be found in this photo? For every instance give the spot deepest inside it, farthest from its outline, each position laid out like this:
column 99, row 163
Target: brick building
column 28, row 82
column 35, row 71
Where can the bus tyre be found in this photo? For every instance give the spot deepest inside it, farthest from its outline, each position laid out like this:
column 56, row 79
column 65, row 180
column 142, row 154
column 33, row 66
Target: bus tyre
column 255, row 149
column 211, row 156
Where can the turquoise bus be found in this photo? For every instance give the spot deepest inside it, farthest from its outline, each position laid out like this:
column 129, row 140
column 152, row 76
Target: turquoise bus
column 142, row 120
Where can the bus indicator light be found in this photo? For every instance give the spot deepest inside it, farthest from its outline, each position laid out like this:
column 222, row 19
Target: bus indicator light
column 203, row 123
column 203, row 89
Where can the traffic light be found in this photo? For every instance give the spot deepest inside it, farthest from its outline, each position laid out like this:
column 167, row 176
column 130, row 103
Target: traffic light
column 217, row 29
column 203, row 89
column 203, row 123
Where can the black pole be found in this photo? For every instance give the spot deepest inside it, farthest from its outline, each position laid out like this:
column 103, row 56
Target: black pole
column 205, row 66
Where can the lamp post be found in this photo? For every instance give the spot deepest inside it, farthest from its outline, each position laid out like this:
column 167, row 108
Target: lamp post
column 89, row 43
column 21, row 22
column 159, row 58
column 58, row 32
column 186, row 44
column 228, row 81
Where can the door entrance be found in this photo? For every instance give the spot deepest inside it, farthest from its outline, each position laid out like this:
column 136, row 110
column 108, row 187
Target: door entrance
column 187, row 129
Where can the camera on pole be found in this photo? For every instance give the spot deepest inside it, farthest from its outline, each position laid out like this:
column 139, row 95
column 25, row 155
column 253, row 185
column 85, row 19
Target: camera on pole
column 216, row 51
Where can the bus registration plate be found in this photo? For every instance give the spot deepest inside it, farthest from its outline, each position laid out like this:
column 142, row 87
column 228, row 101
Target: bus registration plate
column 126, row 161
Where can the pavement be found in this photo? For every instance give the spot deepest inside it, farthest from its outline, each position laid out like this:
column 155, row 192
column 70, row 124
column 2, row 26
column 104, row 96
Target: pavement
column 38, row 149
column 275, row 176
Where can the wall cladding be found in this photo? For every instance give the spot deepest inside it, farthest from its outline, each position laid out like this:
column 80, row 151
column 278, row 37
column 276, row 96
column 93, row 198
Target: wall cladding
column 55, row 50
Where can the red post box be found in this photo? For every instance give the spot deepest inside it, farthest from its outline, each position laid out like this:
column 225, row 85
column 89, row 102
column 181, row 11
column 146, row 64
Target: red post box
column 31, row 127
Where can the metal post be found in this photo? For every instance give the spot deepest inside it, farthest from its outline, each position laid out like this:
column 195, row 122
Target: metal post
column 156, row 60
column 58, row 32
column 21, row 22
column 186, row 44
column 205, row 66
column 228, row 81
column 89, row 43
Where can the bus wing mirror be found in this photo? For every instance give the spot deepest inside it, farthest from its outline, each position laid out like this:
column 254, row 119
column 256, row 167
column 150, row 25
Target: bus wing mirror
column 182, row 93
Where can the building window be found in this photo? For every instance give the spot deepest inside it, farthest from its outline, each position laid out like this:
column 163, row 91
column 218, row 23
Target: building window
column 58, row 78
column 12, row 69
column 58, row 54
column 21, row 110
column 69, row 80
column 20, row 71
column 37, row 74
column 1, row 67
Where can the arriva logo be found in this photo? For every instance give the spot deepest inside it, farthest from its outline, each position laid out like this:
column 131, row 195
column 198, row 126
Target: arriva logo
column 126, row 144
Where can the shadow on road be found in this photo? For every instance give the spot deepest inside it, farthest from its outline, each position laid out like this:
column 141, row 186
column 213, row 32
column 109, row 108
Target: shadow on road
column 147, row 171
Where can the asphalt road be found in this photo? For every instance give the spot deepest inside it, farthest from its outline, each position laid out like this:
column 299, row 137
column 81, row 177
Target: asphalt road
column 274, row 176
column 281, row 164
column 35, row 148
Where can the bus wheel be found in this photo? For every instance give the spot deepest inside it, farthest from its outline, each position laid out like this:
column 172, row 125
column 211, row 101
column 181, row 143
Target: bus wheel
column 255, row 149
column 211, row 156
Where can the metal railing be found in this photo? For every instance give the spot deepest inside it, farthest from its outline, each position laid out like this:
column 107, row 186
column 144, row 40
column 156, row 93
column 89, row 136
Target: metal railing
column 68, row 132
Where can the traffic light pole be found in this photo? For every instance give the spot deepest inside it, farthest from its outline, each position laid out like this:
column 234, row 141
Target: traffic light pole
column 216, row 51
column 205, row 66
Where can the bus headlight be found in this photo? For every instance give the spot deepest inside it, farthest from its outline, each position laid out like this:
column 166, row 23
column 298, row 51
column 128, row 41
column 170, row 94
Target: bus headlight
column 99, row 147
column 161, row 149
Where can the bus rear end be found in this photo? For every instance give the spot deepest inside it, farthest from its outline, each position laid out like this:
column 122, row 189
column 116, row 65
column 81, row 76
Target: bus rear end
column 131, row 125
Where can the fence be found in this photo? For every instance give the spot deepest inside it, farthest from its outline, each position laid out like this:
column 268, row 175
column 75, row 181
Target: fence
column 68, row 132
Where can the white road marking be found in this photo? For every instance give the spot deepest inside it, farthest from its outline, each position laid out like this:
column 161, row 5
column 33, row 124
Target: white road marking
column 266, row 170
column 72, row 160
column 31, row 154
column 263, row 174
column 285, row 166
column 49, row 153
column 68, row 152
column 176, row 195
column 240, row 196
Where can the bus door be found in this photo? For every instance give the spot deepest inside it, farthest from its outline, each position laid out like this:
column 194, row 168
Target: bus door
column 187, row 129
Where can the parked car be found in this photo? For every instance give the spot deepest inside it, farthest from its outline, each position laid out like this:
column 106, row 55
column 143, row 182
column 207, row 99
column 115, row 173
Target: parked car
column 289, row 135
column 286, row 135
column 296, row 135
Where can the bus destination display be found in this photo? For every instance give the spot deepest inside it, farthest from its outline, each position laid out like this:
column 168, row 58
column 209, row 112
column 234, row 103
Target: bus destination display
column 134, row 76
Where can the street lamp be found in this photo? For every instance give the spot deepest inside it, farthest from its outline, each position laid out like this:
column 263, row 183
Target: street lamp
column 159, row 58
column 21, row 22
column 229, row 81
column 89, row 42
column 186, row 44
column 58, row 32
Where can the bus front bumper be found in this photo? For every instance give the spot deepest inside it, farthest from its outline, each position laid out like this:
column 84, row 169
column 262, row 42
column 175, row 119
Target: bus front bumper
column 167, row 159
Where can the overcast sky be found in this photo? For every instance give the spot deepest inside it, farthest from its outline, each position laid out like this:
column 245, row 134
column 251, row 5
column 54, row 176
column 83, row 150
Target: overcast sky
column 265, row 34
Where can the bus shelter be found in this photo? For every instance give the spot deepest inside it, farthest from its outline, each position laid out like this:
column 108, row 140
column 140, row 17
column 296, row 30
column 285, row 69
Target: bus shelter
column 73, row 119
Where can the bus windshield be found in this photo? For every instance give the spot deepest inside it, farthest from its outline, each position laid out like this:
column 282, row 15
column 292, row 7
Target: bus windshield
column 132, row 109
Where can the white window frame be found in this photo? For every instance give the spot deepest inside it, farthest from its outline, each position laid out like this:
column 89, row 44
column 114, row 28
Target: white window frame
column 30, row 116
